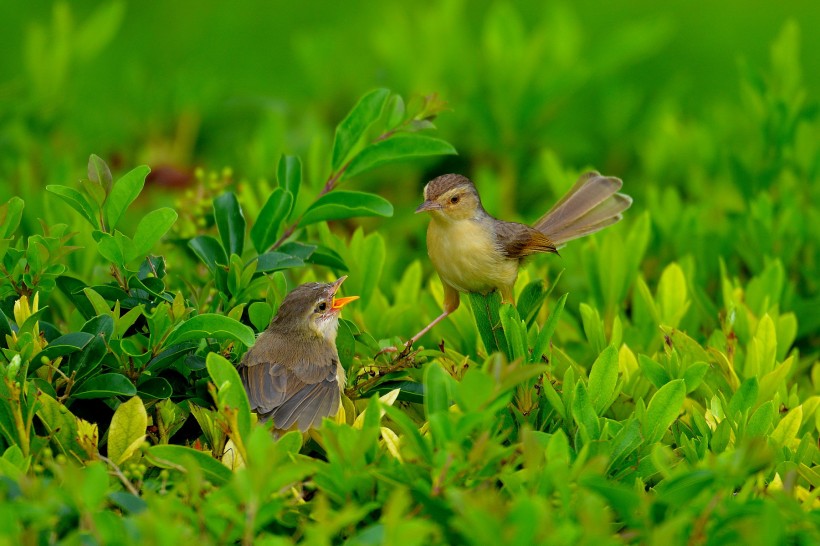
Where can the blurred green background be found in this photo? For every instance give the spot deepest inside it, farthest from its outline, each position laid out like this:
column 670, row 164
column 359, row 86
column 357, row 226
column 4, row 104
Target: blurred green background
column 707, row 111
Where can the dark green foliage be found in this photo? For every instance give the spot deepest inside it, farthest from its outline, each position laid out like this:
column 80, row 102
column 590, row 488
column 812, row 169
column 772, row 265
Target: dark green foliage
column 656, row 384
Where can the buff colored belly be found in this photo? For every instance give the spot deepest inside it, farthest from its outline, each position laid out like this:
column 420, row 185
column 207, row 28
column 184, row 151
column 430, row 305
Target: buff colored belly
column 466, row 258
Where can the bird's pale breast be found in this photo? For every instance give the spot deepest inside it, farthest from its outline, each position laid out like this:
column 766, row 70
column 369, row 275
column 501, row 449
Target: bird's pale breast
column 466, row 256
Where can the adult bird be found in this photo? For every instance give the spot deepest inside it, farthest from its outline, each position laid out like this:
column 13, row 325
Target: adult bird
column 292, row 374
column 475, row 252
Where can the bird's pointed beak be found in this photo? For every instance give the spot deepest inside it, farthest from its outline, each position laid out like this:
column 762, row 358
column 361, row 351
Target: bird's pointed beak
column 338, row 303
column 428, row 206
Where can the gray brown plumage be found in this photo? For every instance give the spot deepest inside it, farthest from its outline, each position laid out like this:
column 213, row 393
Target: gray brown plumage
column 474, row 252
column 292, row 374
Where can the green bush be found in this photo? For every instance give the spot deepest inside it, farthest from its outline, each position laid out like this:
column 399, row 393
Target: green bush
column 657, row 383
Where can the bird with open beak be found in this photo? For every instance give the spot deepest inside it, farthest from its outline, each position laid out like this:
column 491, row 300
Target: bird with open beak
column 292, row 374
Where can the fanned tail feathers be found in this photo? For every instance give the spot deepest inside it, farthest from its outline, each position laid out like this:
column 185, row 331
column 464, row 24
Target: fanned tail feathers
column 589, row 206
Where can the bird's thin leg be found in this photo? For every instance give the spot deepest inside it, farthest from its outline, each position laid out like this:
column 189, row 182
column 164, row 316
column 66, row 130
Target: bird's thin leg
column 451, row 301
column 418, row 336
column 427, row 328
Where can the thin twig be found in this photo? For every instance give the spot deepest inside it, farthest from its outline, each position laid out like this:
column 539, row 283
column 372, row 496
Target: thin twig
column 125, row 481
column 400, row 362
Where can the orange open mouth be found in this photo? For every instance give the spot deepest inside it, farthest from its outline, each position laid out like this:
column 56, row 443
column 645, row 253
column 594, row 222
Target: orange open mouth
column 338, row 303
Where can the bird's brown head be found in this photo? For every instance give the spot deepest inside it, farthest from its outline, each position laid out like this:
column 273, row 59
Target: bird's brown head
column 312, row 308
column 451, row 197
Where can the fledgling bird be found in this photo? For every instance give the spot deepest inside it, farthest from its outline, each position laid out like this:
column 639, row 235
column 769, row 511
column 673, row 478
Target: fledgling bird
column 474, row 252
column 292, row 374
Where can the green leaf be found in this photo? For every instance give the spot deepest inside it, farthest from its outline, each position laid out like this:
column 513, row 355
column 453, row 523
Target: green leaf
column 694, row 374
column 77, row 201
column 122, row 194
column 211, row 325
column 209, row 250
column 622, row 498
column 266, row 228
column 653, row 371
column 171, row 355
column 398, row 147
column 260, row 313
column 103, row 386
column 230, row 391
column 338, row 205
column 289, row 174
column 99, row 173
column 11, row 212
column 542, row 343
column 672, row 295
column 150, row 230
column 786, row 430
column 61, row 425
column 230, row 222
column 360, row 118
column 663, row 409
column 486, row 313
column 584, row 414
column 515, row 332
column 602, row 379
column 346, row 343
column 155, row 388
column 180, row 457
column 113, row 248
column 625, row 442
column 127, row 431
column 436, row 389
column 275, row 261
column 761, row 420
column 63, row 345
column 744, row 398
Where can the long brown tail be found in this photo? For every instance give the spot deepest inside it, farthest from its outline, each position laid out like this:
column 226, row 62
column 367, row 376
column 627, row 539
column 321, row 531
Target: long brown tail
column 589, row 206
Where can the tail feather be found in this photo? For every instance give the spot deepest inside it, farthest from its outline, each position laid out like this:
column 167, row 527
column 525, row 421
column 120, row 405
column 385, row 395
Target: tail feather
column 589, row 206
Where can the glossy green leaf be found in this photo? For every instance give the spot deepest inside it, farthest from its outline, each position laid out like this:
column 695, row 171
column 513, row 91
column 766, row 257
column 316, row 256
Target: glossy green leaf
column 230, row 222
column 744, row 398
column 542, row 344
column 761, row 420
column 155, row 388
column 354, row 125
column 211, row 325
column 230, row 391
column 399, row 147
column 275, row 261
column 127, row 431
column 339, row 205
column 209, row 250
column 180, row 457
column 602, row 379
column 113, row 248
column 103, row 386
column 260, row 314
column 786, row 430
column 694, row 374
column 266, row 228
column 663, row 410
column 124, row 191
column 77, row 201
column 150, row 230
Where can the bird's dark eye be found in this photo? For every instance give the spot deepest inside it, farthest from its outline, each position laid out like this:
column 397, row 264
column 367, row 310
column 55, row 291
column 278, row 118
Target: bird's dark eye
column 321, row 307
column 454, row 199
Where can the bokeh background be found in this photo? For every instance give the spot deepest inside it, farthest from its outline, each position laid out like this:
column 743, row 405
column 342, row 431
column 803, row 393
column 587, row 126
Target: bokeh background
column 707, row 111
